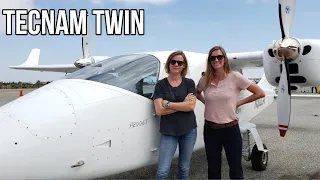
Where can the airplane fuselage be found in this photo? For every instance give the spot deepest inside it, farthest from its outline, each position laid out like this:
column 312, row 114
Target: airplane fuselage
column 84, row 127
column 99, row 128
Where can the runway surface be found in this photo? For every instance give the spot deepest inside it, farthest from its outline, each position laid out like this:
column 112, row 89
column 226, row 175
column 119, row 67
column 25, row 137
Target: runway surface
column 7, row 95
column 295, row 156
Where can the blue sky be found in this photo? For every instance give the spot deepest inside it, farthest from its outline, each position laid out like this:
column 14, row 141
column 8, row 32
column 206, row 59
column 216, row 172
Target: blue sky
column 192, row 25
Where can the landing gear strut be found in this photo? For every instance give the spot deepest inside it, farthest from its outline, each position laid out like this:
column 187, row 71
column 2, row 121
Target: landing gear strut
column 259, row 159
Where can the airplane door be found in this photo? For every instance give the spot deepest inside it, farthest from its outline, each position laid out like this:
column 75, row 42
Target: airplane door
column 149, row 84
column 155, row 125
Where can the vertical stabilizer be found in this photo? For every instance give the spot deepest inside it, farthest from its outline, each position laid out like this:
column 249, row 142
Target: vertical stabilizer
column 33, row 58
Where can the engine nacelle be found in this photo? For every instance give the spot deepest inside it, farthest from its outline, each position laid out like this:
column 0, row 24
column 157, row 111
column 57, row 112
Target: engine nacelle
column 83, row 62
column 304, row 62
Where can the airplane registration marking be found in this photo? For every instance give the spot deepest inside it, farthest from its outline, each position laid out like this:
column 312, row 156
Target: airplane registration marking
column 138, row 123
column 259, row 102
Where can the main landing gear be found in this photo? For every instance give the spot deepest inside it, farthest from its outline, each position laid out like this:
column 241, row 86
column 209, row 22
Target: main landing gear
column 259, row 154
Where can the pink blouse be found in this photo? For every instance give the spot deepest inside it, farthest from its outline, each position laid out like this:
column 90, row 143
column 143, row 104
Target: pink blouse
column 221, row 99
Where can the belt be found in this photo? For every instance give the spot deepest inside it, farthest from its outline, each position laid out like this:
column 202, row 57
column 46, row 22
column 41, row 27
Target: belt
column 220, row 126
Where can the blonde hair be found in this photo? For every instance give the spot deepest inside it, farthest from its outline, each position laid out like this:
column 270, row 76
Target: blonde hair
column 210, row 71
column 175, row 53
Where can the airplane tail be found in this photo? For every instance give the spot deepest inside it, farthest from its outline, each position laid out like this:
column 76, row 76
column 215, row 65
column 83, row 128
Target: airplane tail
column 33, row 59
column 32, row 63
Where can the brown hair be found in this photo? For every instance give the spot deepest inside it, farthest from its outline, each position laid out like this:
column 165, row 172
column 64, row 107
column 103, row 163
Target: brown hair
column 175, row 53
column 209, row 70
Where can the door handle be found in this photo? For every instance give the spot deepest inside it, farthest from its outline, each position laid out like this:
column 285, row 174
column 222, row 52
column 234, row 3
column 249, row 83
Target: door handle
column 153, row 149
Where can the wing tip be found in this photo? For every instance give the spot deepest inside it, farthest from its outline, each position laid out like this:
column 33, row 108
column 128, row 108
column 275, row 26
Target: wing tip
column 14, row 67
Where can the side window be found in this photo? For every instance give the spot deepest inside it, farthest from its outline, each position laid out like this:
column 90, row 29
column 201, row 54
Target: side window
column 148, row 86
column 145, row 87
column 148, row 70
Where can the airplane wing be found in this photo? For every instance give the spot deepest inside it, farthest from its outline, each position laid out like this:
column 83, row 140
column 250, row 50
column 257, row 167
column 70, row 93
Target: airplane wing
column 65, row 68
column 32, row 63
column 303, row 96
column 246, row 59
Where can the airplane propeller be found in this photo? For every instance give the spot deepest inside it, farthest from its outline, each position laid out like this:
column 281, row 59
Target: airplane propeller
column 87, row 59
column 86, row 42
column 286, row 50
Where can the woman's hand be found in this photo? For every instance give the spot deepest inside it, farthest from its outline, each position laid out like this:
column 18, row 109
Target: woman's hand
column 190, row 97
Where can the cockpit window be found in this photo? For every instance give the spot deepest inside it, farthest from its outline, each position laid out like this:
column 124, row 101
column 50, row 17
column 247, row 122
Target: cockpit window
column 137, row 73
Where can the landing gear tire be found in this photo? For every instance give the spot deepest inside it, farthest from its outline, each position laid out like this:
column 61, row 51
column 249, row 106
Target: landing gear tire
column 259, row 159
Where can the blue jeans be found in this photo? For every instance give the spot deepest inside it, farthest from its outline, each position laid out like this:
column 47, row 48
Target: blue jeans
column 168, row 146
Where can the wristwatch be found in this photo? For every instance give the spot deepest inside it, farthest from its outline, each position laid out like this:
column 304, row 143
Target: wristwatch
column 166, row 105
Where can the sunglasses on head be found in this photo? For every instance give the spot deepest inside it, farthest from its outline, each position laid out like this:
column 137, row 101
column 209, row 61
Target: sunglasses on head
column 173, row 62
column 219, row 57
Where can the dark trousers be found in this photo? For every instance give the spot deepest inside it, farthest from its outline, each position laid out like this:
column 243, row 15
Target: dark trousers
column 230, row 139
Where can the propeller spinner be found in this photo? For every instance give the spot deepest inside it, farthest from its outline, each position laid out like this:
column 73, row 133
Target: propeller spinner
column 285, row 50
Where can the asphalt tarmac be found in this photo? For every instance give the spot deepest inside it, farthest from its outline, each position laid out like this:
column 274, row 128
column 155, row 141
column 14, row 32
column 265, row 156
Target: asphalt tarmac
column 7, row 95
column 295, row 156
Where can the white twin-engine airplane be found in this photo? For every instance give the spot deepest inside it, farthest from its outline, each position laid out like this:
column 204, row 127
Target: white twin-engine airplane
column 100, row 120
column 32, row 63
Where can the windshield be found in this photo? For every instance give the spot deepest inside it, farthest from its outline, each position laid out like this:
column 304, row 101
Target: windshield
column 137, row 73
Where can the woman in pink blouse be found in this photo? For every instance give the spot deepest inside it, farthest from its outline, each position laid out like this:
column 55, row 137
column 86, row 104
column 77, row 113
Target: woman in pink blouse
column 221, row 87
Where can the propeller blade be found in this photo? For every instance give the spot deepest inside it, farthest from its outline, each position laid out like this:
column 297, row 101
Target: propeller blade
column 287, row 10
column 86, row 42
column 284, row 100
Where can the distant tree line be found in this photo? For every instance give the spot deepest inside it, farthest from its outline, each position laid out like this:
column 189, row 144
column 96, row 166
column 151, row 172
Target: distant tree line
column 21, row 85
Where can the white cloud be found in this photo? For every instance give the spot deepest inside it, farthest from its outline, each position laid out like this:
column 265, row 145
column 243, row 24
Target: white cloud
column 13, row 4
